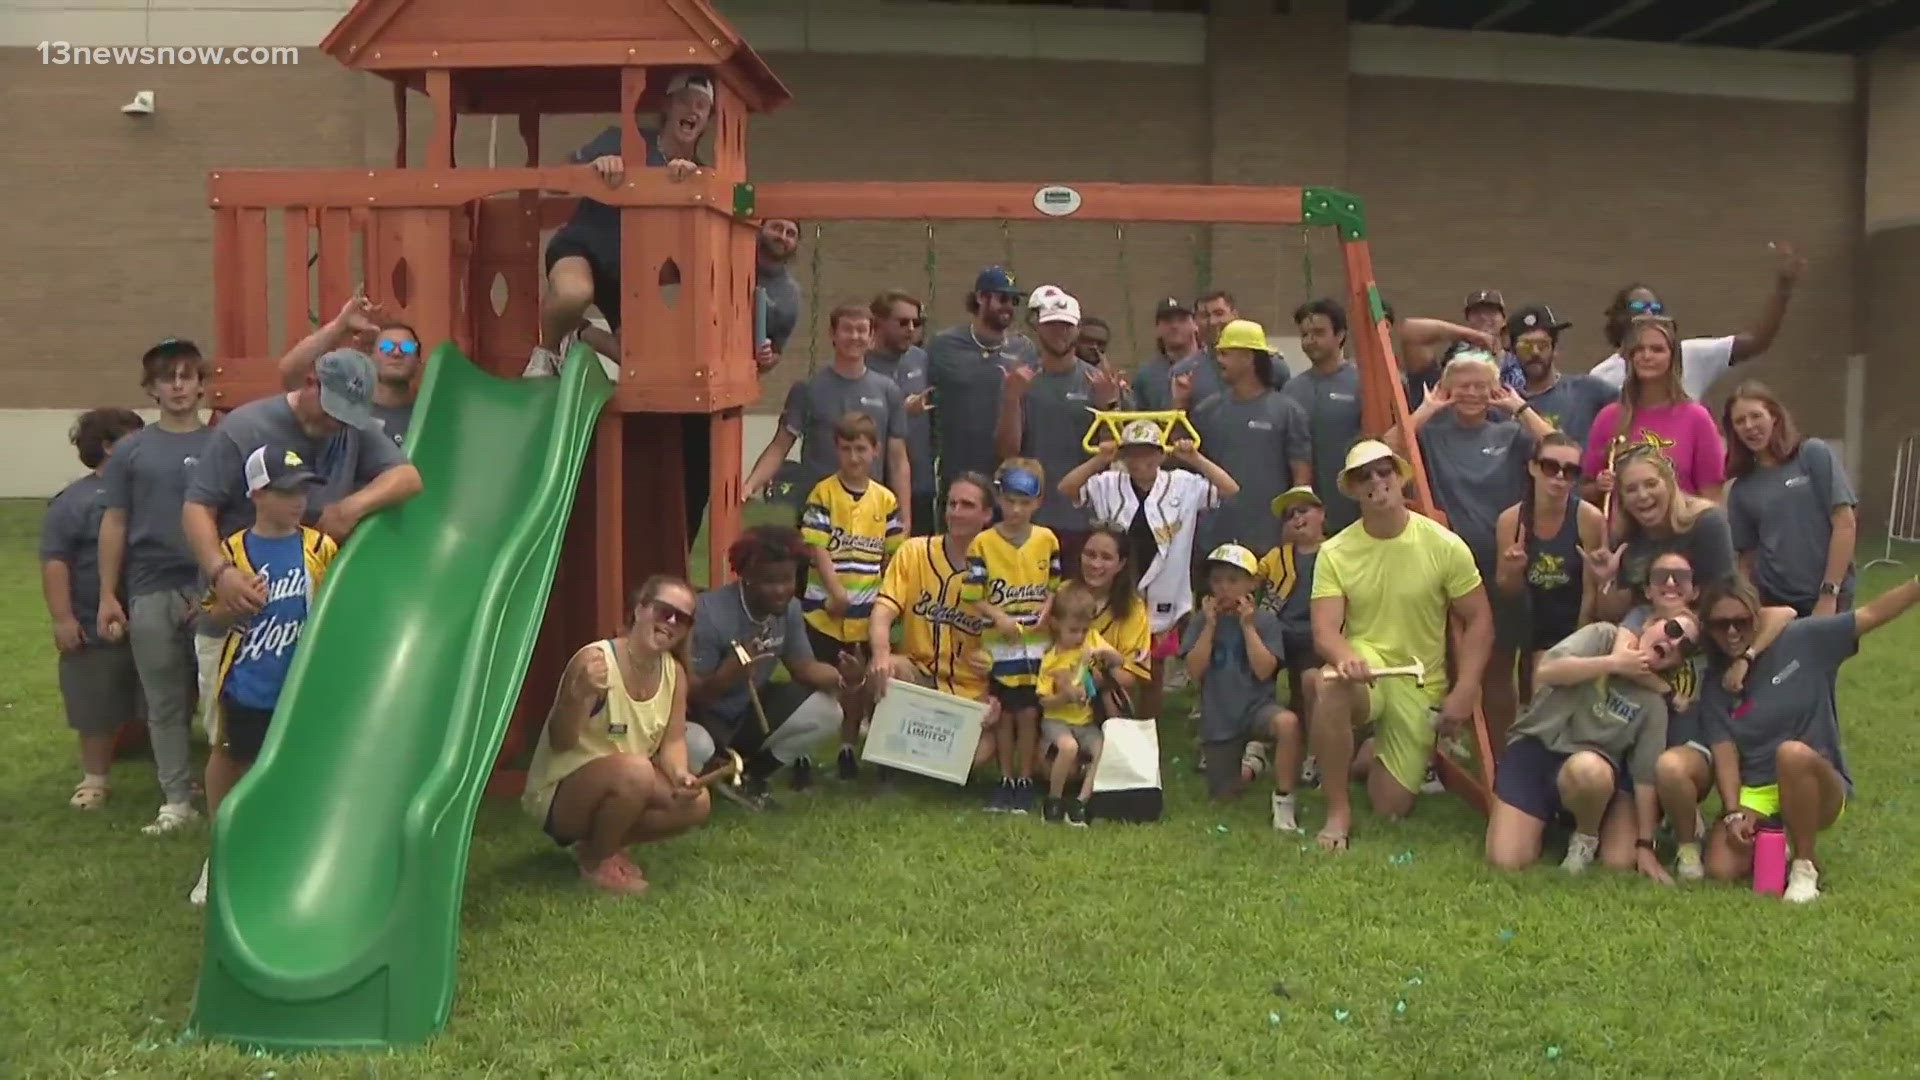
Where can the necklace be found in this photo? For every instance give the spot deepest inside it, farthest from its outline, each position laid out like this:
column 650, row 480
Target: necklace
column 636, row 676
column 986, row 351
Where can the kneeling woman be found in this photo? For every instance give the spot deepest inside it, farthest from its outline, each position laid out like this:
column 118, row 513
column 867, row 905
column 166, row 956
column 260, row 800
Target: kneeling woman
column 1599, row 718
column 611, row 766
column 1776, row 753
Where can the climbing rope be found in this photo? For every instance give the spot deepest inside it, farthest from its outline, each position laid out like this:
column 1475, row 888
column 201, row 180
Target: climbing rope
column 1126, row 292
column 813, row 307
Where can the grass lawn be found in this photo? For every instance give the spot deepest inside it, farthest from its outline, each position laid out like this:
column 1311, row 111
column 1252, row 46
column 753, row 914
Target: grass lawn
column 911, row 935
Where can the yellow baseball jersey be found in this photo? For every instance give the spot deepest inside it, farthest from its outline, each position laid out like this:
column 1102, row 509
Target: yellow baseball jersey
column 858, row 532
column 937, row 632
column 1131, row 637
column 1017, row 580
column 1061, row 668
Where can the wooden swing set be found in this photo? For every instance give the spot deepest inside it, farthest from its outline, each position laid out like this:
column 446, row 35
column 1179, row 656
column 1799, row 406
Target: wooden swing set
column 455, row 251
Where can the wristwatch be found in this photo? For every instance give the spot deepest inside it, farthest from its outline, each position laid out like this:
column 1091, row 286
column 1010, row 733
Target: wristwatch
column 1829, row 588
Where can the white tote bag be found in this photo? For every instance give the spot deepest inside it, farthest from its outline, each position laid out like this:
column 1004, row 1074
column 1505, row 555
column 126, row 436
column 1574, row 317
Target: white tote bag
column 1126, row 786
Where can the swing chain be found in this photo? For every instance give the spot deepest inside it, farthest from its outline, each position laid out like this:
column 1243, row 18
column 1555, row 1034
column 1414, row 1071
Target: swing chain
column 813, row 307
column 1306, row 260
column 1006, row 241
column 932, row 295
column 1126, row 291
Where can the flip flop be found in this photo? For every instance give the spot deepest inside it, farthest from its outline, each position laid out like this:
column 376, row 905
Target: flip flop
column 88, row 796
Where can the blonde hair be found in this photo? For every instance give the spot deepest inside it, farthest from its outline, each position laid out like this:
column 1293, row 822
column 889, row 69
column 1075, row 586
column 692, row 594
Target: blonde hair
column 1466, row 363
column 1682, row 509
column 1630, row 389
column 1074, row 602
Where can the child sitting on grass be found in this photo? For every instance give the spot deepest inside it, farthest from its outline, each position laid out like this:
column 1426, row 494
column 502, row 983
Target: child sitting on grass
column 289, row 559
column 1012, row 571
column 98, row 682
column 1067, row 691
column 1233, row 651
column 851, row 526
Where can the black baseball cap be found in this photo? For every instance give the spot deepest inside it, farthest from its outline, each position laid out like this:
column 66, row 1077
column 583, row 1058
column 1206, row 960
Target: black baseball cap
column 1170, row 307
column 1485, row 298
column 277, row 467
column 1534, row 317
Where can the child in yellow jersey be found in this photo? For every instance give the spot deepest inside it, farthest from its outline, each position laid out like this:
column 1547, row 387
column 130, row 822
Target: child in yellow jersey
column 1012, row 570
column 850, row 525
column 1286, row 589
column 1068, row 690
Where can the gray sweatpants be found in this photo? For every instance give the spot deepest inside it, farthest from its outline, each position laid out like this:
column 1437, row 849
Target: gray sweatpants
column 160, row 629
column 810, row 722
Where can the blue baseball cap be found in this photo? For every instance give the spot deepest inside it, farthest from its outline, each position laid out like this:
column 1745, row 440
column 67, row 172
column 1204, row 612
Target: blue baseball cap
column 996, row 279
column 1018, row 482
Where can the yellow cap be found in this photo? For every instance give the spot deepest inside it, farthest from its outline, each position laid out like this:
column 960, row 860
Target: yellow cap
column 1242, row 334
column 1235, row 555
column 1293, row 497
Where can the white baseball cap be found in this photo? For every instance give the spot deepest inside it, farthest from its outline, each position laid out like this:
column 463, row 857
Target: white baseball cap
column 1043, row 296
column 1058, row 308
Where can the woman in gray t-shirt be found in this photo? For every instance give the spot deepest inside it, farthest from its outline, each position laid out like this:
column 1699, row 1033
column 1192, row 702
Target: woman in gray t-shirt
column 1790, row 506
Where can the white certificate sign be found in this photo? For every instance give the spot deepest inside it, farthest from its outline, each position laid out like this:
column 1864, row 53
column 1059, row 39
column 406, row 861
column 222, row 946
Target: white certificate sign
column 925, row 731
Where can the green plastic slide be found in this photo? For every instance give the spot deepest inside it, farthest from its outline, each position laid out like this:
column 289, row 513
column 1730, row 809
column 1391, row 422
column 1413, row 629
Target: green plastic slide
column 333, row 912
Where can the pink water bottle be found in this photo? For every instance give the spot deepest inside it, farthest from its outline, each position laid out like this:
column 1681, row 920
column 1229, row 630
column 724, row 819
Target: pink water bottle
column 1769, row 860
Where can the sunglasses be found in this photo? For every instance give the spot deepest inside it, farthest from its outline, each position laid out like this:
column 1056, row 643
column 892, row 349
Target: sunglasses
column 400, row 348
column 1666, row 575
column 1646, row 307
column 915, row 322
column 1723, row 625
column 667, row 613
column 1558, row 470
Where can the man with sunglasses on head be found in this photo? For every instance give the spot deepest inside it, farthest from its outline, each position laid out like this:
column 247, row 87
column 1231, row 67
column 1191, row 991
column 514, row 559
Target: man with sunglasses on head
column 1702, row 360
column 1567, row 402
column 396, row 357
column 897, row 321
column 965, row 365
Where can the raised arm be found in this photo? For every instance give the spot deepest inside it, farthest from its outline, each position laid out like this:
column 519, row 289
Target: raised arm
column 1077, row 477
column 1200, row 656
column 356, row 319
column 1400, row 437
column 1511, row 574
column 583, row 689
column 1758, row 338
column 1224, row 486
column 1593, row 533
column 1886, row 607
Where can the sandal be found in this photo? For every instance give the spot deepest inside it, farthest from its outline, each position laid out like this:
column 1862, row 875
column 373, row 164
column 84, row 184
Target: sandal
column 88, row 795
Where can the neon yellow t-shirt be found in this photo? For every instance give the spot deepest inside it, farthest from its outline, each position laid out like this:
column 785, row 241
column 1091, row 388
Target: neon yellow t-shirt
column 858, row 533
column 1397, row 592
column 1017, row 580
column 1061, row 668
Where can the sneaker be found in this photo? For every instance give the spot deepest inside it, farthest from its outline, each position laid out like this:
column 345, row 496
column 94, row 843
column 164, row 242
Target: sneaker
column 1285, row 816
column 801, row 775
column 1076, row 813
column 1580, row 852
column 1431, row 785
column 849, row 765
column 172, row 818
column 1310, row 772
column 1687, row 865
column 1054, row 810
column 1000, row 799
column 198, row 895
column 1024, row 797
column 1803, row 883
column 543, row 364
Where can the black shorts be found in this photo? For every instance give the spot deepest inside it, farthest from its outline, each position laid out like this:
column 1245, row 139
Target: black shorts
column 606, row 279
column 828, row 649
column 1528, row 778
column 245, row 729
column 1015, row 698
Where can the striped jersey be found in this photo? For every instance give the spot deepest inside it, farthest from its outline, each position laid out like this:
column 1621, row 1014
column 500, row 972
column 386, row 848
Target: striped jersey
column 1018, row 580
column 937, row 632
column 858, row 532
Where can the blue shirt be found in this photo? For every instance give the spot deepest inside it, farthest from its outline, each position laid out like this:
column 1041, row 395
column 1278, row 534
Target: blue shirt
column 265, row 653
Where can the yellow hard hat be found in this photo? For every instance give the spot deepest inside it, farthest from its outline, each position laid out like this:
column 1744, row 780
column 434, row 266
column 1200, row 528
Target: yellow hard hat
column 1243, row 334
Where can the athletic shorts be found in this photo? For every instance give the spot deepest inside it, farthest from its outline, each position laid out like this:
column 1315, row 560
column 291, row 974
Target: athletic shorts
column 606, row 279
column 1086, row 737
column 1528, row 778
column 242, row 729
column 1402, row 716
column 1765, row 801
column 100, row 687
column 1015, row 698
column 1222, row 756
column 1165, row 644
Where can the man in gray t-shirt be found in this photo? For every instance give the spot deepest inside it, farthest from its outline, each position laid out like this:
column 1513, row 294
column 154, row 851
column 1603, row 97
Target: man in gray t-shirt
column 1045, row 412
column 965, row 364
column 1330, row 395
column 1784, row 515
column 396, row 355
column 1567, row 402
column 1263, row 442
column 897, row 319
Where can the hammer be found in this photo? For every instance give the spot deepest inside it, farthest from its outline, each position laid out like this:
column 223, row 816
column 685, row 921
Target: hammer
column 1415, row 670
column 759, row 710
column 731, row 772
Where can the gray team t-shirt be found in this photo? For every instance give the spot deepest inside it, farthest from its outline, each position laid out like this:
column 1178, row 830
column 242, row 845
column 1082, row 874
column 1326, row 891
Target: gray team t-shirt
column 1332, row 403
column 909, row 372
column 147, row 478
column 1620, row 718
column 1708, row 547
column 814, row 405
column 966, row 391
column 1572, row 402
column 1476, row 471
column 783, row 302
column 1789, row 696
column 346, row 460
column 70, row 532
column 1257, row 441
column 1784, row 513
column 1053, row 421
column 1153, row 385
column 1230, row 697
column 720, row 618
column 395, row 420
column 1205, row 370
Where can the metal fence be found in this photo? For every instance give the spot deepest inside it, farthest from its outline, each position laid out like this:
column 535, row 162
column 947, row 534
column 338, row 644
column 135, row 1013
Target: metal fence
column 1903, row 520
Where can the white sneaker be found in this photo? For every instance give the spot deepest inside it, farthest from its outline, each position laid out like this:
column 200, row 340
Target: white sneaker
column 543, row 364
column 1803, row 883
column 1687, row 865
column 1285, row 818
column 1580, row 852
column 1431, row 785
column 172, row 818
column 198, row 897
